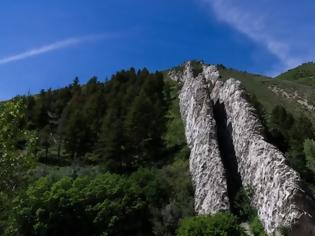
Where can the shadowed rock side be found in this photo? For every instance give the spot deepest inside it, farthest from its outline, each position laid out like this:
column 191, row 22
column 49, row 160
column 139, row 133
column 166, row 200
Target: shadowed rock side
column 206, row 168
column 226, row 147
column 277, row 191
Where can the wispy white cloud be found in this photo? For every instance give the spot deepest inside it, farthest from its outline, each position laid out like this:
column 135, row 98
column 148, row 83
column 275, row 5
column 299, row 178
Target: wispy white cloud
column 51, row 47
column 259, row 21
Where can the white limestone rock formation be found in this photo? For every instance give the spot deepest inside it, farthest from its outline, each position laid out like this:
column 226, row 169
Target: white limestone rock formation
column 208, row 175
column 275, row 186
column 277, row 190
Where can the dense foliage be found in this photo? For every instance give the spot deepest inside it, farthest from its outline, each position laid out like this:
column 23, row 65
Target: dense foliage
column 149, row 201
column 221, row 224
column 16, row 146
column 112, row 159
column 118, row 123
column 83, row 206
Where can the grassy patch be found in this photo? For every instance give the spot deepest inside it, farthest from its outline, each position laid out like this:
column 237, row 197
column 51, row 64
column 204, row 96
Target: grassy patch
column 260, row 86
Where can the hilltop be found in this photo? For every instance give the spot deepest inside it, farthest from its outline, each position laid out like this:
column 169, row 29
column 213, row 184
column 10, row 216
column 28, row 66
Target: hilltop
column 303, row 74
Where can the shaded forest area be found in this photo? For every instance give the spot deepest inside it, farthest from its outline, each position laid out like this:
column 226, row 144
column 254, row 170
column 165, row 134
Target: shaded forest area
column 119, row 123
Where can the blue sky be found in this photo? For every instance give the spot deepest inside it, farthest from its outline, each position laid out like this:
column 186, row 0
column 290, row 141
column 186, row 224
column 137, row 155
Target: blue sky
column 45, row 44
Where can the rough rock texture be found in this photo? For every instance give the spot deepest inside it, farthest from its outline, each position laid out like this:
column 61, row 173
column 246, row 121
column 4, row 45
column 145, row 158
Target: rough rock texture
column 262, row 167
column 208, row 175
column 277, row 191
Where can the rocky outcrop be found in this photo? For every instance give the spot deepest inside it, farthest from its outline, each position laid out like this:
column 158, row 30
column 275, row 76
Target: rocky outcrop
column 276, row 190
column 208, row 175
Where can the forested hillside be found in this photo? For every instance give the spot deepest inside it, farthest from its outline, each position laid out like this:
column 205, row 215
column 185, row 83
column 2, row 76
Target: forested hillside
column 102, row 122
column 107, row 158
column 110, row 157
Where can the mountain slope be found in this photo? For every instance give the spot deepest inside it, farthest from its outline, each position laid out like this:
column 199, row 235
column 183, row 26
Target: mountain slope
column 303, row 74
column 296, row 96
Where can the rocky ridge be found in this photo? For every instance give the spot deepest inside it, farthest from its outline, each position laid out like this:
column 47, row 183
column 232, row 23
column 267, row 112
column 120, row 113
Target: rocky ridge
column 205, row 163
column 277, row 191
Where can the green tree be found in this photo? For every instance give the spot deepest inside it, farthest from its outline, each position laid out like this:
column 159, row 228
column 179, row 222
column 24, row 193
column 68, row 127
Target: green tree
column 303, row 129
column 45, row 139
column 105, row 205
column 75, row 86
column 110, row 147
column 41, row 110
column 77, row 134
column 281, row 122
column 281, row 118
column 15, row 159
column 145, row 122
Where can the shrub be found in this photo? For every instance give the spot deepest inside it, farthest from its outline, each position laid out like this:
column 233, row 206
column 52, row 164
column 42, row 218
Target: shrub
column 108, row 203
column 256, row 227
column 217, row 225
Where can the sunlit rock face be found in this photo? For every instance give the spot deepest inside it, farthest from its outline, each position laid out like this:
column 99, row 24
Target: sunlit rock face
column 208, row 175
column 276, row 190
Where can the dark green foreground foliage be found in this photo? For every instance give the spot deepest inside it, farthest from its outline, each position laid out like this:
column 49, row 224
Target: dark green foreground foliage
column 148, row 202
column 107, row 204
column 82, row 206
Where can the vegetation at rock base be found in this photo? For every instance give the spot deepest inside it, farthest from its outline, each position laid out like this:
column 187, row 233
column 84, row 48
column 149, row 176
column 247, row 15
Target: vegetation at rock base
column 216, row 225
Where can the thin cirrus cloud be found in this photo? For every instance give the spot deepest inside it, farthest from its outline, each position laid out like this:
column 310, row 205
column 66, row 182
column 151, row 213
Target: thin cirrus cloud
column 268, row 24
column 52, row 47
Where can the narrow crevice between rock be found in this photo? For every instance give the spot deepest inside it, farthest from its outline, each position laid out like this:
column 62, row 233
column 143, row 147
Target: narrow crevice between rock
column 226, row 147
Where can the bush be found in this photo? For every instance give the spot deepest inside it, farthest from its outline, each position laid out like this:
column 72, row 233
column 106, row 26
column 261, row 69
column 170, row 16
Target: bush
column 149, row 201
column 256, row 227
column 175, row 180
column 217, row 225
column 242, row 206
column 17, row 146
column 109, row 204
